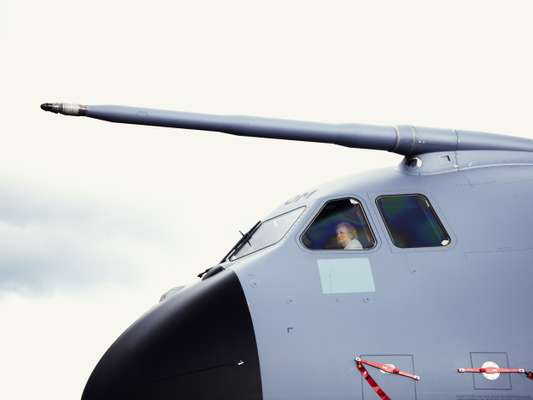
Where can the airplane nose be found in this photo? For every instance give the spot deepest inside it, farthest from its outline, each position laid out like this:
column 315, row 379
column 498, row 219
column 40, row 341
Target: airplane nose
column 198, row 344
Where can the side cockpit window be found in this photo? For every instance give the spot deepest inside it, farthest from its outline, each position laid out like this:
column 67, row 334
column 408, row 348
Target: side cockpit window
column 340, row 225
column 412, row 222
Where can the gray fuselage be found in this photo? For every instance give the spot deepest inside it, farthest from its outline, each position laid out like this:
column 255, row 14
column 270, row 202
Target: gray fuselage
column 433, row 310
column 286, row 322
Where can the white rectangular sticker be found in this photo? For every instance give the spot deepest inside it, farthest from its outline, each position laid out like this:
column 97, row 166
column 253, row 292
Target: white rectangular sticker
column 346, row 275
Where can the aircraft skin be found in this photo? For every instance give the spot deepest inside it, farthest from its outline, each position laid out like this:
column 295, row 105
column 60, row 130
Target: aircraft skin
column 263, row 326
column 432, row 307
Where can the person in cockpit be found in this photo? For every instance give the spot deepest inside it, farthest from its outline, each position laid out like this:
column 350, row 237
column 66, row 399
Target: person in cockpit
column 347, row 236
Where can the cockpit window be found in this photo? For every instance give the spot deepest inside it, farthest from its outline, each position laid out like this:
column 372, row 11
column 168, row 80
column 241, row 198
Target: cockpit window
column 412, row 222
column 268, row 233
column 340, row 225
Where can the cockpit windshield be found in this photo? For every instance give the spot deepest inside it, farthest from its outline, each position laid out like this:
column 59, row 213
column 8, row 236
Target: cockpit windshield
column 266, row 234
column 340, row 225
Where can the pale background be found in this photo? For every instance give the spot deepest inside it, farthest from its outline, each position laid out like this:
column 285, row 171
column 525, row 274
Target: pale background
column 98, row 220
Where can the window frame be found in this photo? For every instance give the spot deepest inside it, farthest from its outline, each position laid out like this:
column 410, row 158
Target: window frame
column 318, row 211
column 438, row 218
column 231, row 259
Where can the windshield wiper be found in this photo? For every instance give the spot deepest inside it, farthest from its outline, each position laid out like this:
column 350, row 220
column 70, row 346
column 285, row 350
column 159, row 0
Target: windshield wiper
column 242, row 241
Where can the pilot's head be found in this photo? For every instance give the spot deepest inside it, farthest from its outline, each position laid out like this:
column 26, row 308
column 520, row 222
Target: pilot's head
column 345, row 233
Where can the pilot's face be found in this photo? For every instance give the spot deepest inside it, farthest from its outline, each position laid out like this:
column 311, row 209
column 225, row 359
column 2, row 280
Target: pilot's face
column 343, row 236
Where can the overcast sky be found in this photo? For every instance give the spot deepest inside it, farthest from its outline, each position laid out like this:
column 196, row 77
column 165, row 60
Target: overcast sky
column 98, row 220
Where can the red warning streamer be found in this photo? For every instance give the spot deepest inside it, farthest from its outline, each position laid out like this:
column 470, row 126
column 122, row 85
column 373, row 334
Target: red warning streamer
column 383, row 367
column 490, row 370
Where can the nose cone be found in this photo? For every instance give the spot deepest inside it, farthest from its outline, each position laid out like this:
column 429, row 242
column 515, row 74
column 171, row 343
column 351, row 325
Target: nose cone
column 199, row 344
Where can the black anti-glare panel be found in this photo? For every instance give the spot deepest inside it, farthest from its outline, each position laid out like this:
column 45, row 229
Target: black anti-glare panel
column 199, row 344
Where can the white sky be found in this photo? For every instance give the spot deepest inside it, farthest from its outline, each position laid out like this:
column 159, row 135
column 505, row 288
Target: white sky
column 98, row 220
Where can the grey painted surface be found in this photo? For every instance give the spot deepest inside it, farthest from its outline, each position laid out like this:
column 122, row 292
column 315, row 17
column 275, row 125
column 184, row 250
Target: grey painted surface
column 346, row 275
column 434, row 306
column 430, row 310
